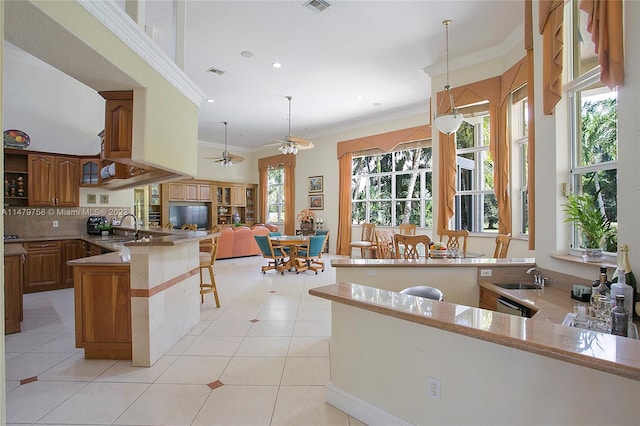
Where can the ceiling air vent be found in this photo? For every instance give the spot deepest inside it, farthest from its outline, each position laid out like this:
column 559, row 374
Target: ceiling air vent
column 216, row 71
column 318, row 5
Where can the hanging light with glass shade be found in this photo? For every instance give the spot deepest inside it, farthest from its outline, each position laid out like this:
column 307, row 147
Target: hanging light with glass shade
column 449, row 122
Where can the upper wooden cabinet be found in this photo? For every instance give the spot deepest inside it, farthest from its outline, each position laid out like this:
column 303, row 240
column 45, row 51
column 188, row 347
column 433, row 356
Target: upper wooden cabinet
column 118, row 130
column 189, row 191
column 54, row 181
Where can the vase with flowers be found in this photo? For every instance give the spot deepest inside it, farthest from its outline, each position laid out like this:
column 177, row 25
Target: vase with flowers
column 305, row 217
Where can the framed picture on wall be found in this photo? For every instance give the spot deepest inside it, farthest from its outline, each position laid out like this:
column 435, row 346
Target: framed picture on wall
column 316, row 202
column 315, row 184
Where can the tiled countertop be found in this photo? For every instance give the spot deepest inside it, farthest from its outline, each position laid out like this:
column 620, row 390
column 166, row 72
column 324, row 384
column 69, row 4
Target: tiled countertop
column 604, row 352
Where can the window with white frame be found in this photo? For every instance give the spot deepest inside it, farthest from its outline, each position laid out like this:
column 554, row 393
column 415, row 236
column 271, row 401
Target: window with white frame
column 592, row 115
column 275, row 196
column 391, row 188
column 518, row 119
column 476, row 207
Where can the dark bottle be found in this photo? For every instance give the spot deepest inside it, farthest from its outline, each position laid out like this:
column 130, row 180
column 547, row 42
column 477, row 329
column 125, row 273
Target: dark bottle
column 624, row 265
column 619, row 318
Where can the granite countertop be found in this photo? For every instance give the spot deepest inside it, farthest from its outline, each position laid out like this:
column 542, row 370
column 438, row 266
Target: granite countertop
column 14, row 250
column 422, row 262
column 604, row 352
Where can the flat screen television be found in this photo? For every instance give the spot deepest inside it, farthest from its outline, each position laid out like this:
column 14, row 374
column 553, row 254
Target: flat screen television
column 180, row 215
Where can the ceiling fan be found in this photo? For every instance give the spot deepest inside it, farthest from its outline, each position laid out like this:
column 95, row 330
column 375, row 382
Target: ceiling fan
column 226, row 159
column 291, row 144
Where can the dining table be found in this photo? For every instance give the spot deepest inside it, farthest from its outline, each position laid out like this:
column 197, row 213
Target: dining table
column 293, row 243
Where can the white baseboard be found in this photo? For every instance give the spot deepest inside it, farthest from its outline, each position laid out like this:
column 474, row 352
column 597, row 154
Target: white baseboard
column 361, row 410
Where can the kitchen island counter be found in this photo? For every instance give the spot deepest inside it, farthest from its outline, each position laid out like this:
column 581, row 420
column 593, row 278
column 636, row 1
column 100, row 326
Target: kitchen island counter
column 386, row 346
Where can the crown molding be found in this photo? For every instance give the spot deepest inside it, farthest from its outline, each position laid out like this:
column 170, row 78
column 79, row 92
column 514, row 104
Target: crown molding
column 122, row 26
column 494, row 52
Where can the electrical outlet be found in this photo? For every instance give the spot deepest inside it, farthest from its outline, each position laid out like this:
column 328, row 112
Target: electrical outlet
column 434, row 388
column 55, row 223
column 485, row 272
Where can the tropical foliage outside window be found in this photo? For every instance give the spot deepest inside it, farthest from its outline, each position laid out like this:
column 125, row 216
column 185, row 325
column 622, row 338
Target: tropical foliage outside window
column 476, row 207
column 275, row 196
column 392, row 188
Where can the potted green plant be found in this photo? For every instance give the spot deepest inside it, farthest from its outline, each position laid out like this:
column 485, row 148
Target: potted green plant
column 594, row 226
column 105, row 227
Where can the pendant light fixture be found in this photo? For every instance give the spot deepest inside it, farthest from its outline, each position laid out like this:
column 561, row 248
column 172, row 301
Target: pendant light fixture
column 449, row 122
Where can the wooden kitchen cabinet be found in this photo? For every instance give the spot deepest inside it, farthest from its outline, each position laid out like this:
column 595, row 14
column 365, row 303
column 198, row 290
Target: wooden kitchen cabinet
column 189, row 191
column 238, row 196
column 43, row 269
column 71, row 250
column 118, row 128
column 13, row 280
column 89, row 171
column 102, row 305
column 488, row 299
column 54, row 181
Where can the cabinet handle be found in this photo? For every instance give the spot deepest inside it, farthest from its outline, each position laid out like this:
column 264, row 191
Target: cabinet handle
column 23, row 258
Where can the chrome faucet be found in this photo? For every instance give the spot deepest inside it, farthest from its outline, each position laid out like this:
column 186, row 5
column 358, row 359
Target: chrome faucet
column 538, row 279
column 135, row 224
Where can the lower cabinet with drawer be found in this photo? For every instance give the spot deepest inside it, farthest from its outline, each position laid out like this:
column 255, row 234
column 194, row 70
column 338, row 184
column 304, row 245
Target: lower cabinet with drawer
column 43, row 269
column 46, row 265
column 488, row 299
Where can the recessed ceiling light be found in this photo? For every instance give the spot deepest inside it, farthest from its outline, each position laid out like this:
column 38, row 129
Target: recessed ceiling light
column 210, row 101
column 276, row 65
column 359, row 97
column 246, row 53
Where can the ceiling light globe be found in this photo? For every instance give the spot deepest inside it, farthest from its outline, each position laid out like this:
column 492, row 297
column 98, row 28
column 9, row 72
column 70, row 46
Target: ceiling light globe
column 448, row 123
column 283, row 149
column 294, row 150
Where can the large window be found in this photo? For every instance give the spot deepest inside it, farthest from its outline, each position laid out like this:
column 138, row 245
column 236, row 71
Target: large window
column 275, row 196
column 393, row 187
column 593, row 127
column 518, row 120
column 476, row 207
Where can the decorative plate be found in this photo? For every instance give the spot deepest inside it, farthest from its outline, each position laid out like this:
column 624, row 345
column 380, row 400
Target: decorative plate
column 16, row 139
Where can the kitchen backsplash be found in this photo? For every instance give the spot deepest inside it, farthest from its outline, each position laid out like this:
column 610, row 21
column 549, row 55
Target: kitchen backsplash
column 29, row 222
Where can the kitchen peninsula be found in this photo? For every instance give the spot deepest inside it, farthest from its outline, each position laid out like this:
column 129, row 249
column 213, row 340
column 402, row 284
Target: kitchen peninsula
column 501, row 368
column 141, row 306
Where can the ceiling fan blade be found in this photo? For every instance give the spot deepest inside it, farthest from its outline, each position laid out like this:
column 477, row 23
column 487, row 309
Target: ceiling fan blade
column 236, row 158
column 299, row 141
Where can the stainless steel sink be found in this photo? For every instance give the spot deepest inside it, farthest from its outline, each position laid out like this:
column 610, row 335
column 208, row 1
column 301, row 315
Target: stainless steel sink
column 519, row 286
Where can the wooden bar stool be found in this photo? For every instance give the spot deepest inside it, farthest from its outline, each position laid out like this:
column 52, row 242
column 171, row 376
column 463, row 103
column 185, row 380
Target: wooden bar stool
column 208, row 251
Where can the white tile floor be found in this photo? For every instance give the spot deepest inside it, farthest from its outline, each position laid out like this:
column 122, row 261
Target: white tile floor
column 273, row 371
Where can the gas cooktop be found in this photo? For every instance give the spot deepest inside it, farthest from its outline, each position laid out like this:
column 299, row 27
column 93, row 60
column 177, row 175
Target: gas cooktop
column 11, row 237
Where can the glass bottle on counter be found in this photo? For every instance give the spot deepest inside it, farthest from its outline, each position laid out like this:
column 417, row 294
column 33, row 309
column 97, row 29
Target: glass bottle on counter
column 600, row 287
column 619, row 317
column 629, row 277
column 621, row 288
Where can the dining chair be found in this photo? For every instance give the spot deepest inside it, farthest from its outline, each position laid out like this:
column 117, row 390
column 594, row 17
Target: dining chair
column 502, row 246
column 453, row 239
column 407, row 228
column 189, row 227
column 274, row 254
column 208, row 251
column 384, row 244
column 408, row 246
column 169, row 225
column 324, row 232
column 310, row 257
column 367, row 241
